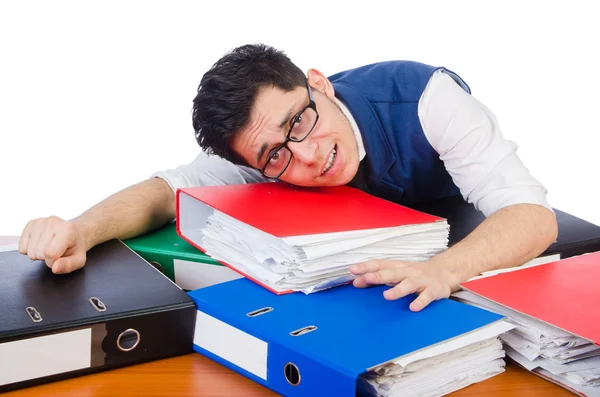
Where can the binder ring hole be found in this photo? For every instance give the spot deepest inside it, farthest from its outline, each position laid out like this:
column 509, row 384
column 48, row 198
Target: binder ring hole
column 259, row 312
column 97, row 304
column 158, row 266
column 128, row 340
column 303, row 331
column 292, row 374
column 34, row 314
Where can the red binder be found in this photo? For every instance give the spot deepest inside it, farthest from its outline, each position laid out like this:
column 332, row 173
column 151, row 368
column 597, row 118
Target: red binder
column 283, row 210
column 564, row 293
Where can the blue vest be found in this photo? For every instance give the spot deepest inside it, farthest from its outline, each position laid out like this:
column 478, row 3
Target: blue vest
column 401, row 165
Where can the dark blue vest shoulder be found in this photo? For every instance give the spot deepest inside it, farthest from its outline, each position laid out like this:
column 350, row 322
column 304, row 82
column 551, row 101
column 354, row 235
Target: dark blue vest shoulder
column 383, row 98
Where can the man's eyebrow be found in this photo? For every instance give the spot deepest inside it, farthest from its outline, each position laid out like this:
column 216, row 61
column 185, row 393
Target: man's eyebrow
column 261, row 152
column 286, row 119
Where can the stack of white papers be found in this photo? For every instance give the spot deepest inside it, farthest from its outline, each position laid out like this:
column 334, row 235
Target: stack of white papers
column 289, row 238
column 551, row 352
column 443, row 368
column 310, row 263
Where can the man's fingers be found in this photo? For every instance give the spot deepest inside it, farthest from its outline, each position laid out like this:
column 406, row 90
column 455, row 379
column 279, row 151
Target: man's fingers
column 42, row 245
column 405, row 278
column 24, row 240
column 376, row 272
column 374, row 265
column 405, row 287
column 54, row 241
column 55, row 249
column 34, row 240
column 63, row 265
column 58, row 246
column 425, row 298
column 67, row 264
column 365, row 267
column 70, row 263
column 360, row 282
column 386, row 276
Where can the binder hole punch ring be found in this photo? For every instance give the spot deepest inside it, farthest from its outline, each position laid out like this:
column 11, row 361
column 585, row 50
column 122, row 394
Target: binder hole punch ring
column 34, row 314
column 303, row 331
column 158, row 266
column 259, row 312
column 292, row 374
column 97, row 304
column 128, row 340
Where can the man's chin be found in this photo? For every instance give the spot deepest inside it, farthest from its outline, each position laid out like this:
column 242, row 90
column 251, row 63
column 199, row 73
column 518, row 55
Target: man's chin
column 324, row 182
column 329, row 183
column 316, row 183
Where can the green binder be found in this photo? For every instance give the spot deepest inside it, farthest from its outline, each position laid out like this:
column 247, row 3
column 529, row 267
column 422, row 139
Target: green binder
column 187, row 266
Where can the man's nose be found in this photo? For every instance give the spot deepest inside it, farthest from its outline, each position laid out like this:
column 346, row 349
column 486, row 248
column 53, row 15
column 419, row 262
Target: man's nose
column 305, row 151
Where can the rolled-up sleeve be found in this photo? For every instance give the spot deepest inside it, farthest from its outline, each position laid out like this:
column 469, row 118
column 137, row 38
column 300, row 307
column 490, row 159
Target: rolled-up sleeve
column 208, row 170
column 482, row 163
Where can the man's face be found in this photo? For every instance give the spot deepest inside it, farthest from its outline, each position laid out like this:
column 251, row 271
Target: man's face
column 270, row 121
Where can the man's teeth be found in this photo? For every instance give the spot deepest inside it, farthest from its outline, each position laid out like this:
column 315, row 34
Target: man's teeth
column 330, row 161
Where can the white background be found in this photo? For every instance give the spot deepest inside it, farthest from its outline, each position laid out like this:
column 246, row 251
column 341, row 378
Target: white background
column 97, row 96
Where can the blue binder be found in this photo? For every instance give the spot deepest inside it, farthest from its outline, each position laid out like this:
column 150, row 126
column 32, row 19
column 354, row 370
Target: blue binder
column 319, row 344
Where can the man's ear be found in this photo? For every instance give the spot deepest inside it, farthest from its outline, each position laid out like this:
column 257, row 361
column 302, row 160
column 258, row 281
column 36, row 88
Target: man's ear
column 319, row 81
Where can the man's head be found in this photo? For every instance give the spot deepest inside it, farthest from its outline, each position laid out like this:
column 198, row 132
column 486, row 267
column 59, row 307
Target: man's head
column 247, row 104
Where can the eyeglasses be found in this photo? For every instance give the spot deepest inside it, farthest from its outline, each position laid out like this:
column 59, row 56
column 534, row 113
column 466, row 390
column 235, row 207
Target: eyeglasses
column 302, row 125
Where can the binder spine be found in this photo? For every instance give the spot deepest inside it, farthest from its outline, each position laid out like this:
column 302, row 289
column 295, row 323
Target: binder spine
column 293, row 374
column 50, row 354
column 97, row 347
column 147, row 337
column 271, row 363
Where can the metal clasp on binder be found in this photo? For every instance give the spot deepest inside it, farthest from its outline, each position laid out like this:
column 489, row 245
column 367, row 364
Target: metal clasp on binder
column 97, row 304
column 34, row 314
column 259, row 312
column 291, row 370
column 304, row 330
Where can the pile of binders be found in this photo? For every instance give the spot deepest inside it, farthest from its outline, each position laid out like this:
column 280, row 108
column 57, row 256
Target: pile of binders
column 338, row 341
column 181, row 262
column 58, row 326
column 341, row 341
column 289, row 238
column 557, row 330
column 347, row 341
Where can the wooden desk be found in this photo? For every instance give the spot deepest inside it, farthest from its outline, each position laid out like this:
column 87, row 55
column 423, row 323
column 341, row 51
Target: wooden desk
column 196, row 375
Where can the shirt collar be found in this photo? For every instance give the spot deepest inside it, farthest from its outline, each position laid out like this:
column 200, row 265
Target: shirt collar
column 357, row 135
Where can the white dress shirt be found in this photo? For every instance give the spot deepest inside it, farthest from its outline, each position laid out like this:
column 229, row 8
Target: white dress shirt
column 465, row 133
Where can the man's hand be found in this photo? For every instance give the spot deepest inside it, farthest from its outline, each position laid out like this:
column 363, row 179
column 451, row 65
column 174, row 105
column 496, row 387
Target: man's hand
column 428, row 279
column 58, row 242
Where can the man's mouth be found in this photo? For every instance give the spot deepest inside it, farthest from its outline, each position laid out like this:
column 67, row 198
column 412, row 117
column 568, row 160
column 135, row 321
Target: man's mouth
column 330, row 160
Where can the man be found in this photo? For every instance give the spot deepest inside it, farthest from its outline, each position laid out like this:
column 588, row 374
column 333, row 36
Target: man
column 403, row 131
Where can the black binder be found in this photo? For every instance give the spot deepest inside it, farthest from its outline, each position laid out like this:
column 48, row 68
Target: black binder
column 575, row 235
column 118, row 310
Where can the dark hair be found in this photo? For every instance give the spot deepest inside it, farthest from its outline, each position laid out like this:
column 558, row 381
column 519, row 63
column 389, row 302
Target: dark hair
column 228, row 91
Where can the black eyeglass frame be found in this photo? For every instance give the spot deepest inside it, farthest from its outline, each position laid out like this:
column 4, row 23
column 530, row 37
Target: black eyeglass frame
column 288, row 138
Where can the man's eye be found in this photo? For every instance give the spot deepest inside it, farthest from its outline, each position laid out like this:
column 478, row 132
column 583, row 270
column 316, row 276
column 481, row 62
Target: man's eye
column 297, row 121
column 275, row 157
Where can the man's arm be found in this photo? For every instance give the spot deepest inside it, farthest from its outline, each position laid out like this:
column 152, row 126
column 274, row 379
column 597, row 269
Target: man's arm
column 130, row 212
column 520, row 223
column 509, row 237
column 133, row 211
